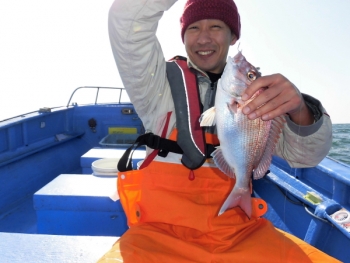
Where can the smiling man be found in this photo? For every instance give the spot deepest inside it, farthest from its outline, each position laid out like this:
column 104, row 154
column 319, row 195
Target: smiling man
column 208, row 29
column 207, row 43
column 172, row 201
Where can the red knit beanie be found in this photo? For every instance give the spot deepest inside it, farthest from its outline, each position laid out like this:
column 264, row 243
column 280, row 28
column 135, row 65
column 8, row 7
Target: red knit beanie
column 224, row 10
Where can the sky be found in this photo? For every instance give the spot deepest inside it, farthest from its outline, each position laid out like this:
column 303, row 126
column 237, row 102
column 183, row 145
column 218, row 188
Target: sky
column 50, row 47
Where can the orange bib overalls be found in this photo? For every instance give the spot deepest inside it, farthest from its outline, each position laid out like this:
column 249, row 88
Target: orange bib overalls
column 174, row 219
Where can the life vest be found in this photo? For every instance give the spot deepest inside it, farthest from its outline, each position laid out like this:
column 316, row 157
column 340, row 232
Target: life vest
column 190, row 141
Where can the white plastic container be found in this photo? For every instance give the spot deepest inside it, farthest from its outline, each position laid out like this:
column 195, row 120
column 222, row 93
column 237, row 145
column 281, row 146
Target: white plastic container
column 105, row 167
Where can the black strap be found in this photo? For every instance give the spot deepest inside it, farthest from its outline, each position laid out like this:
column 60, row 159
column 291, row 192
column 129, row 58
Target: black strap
column 158, row 143
column 155, row 142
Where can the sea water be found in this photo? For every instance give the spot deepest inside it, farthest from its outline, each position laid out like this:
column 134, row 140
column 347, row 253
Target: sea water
column 341, row 143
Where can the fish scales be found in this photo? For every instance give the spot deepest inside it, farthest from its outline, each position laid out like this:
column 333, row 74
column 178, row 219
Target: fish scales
column 246, row 146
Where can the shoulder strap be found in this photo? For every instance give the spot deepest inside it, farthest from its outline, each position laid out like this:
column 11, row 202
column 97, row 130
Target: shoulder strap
column 184, row 90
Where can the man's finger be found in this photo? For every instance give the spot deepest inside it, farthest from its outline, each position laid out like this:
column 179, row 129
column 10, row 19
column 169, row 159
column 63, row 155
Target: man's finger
column 257, row 84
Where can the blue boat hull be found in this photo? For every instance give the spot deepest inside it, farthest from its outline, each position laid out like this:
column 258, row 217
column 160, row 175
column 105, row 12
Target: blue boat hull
column 46, row 193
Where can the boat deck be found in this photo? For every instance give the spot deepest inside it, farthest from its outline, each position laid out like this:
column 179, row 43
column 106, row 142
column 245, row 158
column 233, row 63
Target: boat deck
column 64, row 221
column 32, row 248
column 21, row 219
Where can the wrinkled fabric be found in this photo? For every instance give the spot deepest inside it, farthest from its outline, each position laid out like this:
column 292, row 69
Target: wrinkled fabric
column 174, row 219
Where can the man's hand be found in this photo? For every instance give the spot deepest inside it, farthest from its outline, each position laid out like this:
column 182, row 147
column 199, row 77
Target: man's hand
column 279, row 97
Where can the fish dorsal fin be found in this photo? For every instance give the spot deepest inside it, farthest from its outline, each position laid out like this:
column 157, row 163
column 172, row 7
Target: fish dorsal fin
column 208, row 117
column 221, row 163
column 274, row 134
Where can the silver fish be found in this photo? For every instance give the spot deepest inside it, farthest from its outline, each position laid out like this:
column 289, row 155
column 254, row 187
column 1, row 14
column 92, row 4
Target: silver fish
column 246, row 146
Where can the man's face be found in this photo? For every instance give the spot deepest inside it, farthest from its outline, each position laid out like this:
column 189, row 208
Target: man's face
column 207, row 43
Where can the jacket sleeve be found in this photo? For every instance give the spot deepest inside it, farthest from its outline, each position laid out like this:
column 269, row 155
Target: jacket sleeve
column 306, row 146
column 132, row 28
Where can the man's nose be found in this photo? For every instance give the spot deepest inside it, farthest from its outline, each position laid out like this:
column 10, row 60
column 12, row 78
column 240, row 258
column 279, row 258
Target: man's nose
column 204, row 37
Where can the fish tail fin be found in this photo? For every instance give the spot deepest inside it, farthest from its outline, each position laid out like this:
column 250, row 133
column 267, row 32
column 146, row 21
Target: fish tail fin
column 242, row 199
column 208, row 117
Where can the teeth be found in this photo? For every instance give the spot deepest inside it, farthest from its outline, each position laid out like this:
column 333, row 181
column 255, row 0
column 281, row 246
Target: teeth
column 204, row 52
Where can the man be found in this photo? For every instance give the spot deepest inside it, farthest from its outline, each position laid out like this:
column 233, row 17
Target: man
column 172, row 202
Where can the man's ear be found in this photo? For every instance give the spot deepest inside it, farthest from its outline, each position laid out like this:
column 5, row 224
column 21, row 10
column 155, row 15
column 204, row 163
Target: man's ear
column 233, row 39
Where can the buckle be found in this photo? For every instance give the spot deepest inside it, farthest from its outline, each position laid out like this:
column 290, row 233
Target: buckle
column 153, row 141
column 163, row 153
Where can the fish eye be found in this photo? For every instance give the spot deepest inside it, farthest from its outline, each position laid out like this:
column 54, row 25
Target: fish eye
column 251, row 75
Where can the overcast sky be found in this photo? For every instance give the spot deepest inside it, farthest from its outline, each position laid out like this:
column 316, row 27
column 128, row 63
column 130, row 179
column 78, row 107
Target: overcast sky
column 50, row 47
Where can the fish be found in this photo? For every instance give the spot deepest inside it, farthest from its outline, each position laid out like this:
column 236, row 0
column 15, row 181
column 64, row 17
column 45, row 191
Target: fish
column 246, row 146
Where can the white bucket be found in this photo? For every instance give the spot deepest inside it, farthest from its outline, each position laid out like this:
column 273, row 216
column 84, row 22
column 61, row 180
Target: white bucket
column 105, row 167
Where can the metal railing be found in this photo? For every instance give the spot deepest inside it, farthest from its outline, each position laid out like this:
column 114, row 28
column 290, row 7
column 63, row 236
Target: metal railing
column 122, row 92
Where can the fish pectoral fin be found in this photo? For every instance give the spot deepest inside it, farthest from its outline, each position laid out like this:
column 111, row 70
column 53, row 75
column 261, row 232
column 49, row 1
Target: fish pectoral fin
column 221, row 163
column 208, row 117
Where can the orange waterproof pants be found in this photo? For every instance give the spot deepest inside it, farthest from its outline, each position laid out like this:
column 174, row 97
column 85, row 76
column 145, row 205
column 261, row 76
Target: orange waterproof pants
column 174, row 219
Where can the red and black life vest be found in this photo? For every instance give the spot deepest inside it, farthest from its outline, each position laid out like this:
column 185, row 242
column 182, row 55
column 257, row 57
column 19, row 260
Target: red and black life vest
column 190, row 140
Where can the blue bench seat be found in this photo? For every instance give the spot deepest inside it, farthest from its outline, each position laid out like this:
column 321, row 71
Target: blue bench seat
column 77, row 204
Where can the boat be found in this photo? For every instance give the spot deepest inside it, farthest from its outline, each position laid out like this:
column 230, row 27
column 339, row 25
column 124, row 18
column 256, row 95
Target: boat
column 58, row 184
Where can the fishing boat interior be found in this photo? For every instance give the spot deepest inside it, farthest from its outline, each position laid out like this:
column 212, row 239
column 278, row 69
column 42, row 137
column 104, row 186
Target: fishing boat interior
column 58, row 199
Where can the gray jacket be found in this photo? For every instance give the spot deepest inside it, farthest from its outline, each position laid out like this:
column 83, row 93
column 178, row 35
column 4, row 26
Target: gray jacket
column 142, row 67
